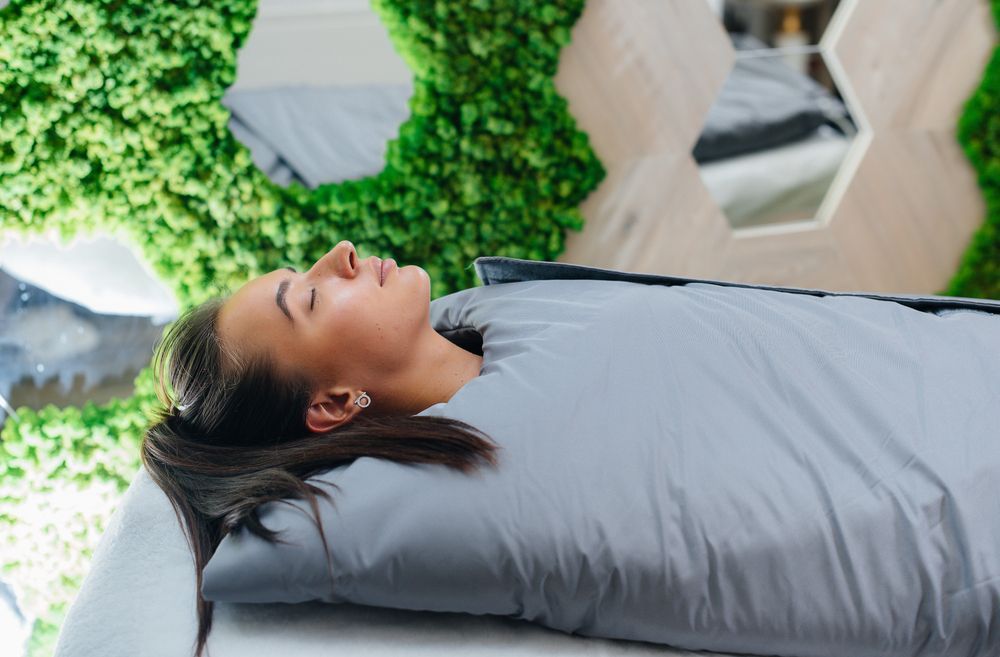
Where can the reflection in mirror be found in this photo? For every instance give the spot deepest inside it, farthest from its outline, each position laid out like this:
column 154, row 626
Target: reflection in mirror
column 77, row 321
column 777, row 134
column 319, row 91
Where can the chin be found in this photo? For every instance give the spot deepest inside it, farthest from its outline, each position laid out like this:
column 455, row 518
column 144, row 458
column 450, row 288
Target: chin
column 427, row 282
column 423, row 273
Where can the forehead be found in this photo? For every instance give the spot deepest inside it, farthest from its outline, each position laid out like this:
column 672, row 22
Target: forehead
column 252, row 310
column 260, row 292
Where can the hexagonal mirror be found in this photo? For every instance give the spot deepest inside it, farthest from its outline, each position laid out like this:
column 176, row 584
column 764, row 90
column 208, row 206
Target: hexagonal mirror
column 779, row 130
column 319, row 91
column 78, row 320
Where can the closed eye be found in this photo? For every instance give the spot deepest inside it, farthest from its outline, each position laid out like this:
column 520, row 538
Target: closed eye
column 312, row 301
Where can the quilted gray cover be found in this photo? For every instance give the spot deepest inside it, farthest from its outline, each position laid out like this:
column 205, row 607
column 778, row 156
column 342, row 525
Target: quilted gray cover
column 709, row 465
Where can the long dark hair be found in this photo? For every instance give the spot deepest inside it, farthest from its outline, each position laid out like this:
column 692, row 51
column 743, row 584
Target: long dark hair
column 234, row 437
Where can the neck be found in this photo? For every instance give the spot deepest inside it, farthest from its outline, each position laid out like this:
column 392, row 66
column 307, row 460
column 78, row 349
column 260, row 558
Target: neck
column 439, row 370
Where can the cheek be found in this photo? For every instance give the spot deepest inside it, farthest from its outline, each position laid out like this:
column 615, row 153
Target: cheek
column 380, row 340
column 342, row 337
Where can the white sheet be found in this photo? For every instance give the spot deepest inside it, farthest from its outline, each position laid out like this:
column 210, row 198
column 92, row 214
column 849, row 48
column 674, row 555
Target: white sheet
column 138, row 601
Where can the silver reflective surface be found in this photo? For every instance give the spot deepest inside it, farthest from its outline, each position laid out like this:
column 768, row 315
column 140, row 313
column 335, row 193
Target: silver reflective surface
column 319, row 92
column 779, row 131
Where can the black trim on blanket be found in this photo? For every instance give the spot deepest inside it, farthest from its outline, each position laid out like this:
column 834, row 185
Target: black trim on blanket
column 493, row 270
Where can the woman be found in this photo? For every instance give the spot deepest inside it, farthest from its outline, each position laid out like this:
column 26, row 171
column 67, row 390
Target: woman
column 294, row 374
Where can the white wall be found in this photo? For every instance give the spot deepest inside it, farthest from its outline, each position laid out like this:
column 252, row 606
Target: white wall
column 320, row 42
column 717, row 6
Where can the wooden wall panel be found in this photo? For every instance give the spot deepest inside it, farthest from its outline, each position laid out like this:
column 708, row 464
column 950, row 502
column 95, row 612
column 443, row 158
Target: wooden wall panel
column 640, row 76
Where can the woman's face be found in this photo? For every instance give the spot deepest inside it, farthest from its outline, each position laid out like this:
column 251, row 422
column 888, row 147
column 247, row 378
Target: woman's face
column 332, row 320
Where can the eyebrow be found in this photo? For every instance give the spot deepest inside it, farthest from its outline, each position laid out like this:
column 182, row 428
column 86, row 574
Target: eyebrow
column 279, row 298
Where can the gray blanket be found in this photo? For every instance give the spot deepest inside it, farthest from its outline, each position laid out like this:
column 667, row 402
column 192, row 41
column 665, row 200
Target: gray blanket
column 708, row 465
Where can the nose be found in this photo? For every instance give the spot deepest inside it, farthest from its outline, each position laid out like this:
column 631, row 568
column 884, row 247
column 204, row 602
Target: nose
column 341, row 260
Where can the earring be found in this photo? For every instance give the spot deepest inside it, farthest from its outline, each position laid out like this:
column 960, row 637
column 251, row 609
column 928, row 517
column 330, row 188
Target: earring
column 364, row 395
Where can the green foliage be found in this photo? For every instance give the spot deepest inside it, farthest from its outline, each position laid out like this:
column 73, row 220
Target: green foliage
column 979, row 134
column 110, row 119
column 62, row 471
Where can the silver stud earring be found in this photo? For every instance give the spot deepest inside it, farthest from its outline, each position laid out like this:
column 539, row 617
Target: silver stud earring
column 364, row 395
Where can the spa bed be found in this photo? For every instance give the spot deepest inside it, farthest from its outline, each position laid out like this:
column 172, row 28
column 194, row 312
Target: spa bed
column 138, row 598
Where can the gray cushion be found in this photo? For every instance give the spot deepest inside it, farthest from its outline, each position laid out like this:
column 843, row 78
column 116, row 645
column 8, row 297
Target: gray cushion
column 709, row 465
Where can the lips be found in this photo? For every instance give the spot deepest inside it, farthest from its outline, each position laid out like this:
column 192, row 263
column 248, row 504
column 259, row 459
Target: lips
column 382, row 268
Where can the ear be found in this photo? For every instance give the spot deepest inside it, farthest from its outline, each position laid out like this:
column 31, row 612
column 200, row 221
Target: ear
column 330, row 409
